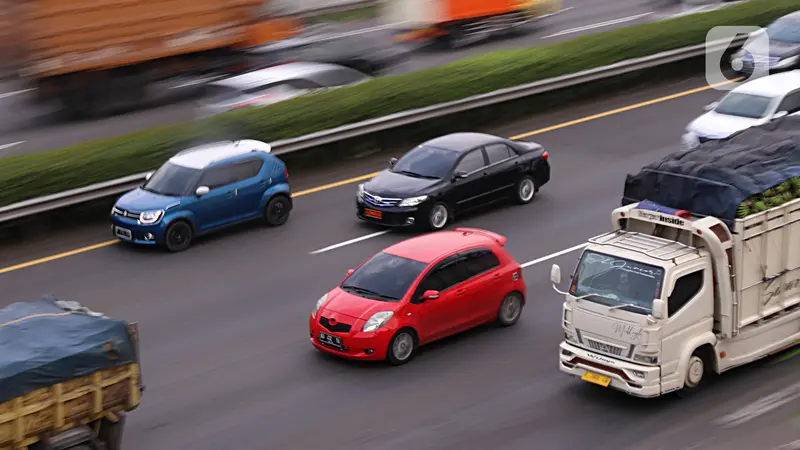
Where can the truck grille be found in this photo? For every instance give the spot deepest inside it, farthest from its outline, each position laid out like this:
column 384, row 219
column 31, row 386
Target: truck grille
column 381, row 201
column 602, row 347
column 125, row 213
column 336, row 328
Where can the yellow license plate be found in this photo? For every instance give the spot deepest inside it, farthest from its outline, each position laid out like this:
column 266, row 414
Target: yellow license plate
column 591, row 377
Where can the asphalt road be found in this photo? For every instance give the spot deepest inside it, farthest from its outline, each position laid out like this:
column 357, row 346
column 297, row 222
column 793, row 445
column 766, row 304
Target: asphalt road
column 26, row 128
column 226, row 356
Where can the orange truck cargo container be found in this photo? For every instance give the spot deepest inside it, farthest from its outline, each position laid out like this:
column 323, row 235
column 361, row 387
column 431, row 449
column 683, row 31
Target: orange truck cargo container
column 95, row 54
column 461, row 22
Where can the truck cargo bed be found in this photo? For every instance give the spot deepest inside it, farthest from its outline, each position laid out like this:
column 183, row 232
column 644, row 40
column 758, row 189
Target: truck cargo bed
column 64, row 36
column 60, row 407
column 767, row 263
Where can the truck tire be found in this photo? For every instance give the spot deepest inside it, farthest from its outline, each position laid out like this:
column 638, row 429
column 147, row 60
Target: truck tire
column 111, row 433
column 698, row 372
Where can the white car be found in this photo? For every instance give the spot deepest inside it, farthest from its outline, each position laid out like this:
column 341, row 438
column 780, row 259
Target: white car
column 753, row 103
column 274, row 84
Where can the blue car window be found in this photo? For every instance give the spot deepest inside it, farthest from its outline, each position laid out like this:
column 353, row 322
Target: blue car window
column 172, row 180
column 248, row 169
column 219, row 176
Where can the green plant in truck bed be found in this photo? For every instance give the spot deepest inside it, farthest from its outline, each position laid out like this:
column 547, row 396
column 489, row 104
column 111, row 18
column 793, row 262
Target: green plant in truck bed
column 29, row 176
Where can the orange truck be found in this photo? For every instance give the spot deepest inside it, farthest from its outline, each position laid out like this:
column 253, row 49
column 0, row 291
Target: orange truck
column 461, row 22
column 95, row 55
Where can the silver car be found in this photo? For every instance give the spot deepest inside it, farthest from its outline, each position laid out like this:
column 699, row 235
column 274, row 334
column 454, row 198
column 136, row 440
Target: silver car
column 274, row 84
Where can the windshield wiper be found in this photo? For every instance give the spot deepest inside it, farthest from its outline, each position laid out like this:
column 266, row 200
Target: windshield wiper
column 625, row 305
column 410, row 173
column 361, row 290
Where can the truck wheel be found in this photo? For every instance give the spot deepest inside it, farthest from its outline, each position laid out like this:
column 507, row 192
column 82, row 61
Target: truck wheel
column 698, row 371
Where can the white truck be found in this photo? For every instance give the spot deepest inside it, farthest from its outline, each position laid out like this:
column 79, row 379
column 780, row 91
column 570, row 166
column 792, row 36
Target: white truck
column 668, row 298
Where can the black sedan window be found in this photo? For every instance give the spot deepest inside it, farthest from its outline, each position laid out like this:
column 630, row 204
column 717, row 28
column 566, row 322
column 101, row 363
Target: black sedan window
column 384, row 277
column 426, row 162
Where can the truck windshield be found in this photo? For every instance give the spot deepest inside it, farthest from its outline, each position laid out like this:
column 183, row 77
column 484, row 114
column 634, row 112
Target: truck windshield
column 615, row 282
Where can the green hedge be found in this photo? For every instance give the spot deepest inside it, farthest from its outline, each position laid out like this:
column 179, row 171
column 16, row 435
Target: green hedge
column 28, row 176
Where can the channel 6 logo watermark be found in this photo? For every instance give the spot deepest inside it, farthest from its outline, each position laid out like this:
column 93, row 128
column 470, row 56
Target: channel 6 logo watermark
column 725, row 63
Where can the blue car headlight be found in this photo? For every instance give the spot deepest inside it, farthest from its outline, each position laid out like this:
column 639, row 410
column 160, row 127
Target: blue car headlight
column 150, row 217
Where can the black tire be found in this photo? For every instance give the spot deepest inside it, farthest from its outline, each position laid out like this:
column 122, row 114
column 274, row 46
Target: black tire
column 408, row 337
column 438, row 217
column 111, row 433
column 276, row 213
column 525, row 190
column 510, row 310
column 178, row 236
column 698, row 372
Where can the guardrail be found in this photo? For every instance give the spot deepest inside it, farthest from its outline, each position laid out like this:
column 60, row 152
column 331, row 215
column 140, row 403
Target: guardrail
column 108, row 188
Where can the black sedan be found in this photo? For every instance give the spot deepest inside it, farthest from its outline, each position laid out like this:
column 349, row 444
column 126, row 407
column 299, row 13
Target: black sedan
column 451, row 174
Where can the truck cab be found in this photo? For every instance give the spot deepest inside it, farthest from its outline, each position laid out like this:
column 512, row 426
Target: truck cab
column 667, row 298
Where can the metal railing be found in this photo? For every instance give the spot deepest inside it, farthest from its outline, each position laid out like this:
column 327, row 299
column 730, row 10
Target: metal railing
column 97, row 191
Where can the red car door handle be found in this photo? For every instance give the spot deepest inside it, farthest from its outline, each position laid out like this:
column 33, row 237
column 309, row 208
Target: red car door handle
column 460, row 292
column 498, row 275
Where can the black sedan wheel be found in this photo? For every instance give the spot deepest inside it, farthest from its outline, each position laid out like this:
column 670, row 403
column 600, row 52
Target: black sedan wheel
column 438, row 216
column 525, row 190
column 178, row 237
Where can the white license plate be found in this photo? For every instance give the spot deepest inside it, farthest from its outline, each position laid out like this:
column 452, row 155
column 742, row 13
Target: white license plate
column 331, row 340
column 123, row 233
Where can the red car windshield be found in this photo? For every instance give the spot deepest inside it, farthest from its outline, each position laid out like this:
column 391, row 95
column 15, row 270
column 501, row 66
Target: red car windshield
column 384, row 277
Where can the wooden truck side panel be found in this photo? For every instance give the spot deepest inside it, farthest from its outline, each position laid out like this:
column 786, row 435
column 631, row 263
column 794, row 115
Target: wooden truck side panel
column 767, row 263
column 57, row 408
column 64, row 36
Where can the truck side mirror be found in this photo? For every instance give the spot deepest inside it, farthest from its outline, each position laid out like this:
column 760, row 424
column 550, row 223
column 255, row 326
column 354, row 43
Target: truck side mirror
column 779, row 115
column 658, row 309
column 555, row 274
column 392, row 162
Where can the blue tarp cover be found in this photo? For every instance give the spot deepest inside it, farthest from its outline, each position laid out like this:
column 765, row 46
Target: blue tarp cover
column 42, row 344
column 714, row 178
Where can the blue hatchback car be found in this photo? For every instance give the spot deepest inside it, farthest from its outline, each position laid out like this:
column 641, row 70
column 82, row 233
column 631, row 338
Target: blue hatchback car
column 202, row 189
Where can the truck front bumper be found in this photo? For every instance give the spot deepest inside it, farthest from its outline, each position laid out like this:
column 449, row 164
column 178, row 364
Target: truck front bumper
column 633, row 379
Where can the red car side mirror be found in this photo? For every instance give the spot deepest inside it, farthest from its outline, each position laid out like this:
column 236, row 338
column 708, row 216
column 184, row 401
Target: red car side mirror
column 430, row 295
column 350, row 272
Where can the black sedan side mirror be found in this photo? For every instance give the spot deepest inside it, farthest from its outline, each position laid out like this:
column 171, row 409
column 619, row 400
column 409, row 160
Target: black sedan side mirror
column 392, row 162
column 459, row 175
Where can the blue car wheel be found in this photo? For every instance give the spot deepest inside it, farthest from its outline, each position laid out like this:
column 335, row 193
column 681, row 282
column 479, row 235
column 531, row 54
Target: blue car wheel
column 277, row 211
column 178, row 236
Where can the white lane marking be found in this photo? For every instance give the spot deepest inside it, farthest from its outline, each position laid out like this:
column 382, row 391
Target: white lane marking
column 790, row 446
column 5, row 146
column 11, row 94
column 760, row 407
column 351, row 241
column 554, row 255
column 555, row 13
column 598, row 25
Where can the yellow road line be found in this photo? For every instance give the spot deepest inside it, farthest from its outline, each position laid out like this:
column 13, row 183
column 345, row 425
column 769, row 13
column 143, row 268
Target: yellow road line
column 326, row 187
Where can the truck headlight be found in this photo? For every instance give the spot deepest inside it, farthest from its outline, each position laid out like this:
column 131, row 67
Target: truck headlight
column 150, row 217
column 645, row 359
column 319, row 304
column 413, row 201
column 569, row 337
column 377, row 320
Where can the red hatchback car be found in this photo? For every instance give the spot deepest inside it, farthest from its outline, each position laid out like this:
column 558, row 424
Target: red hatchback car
column 418, row 291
